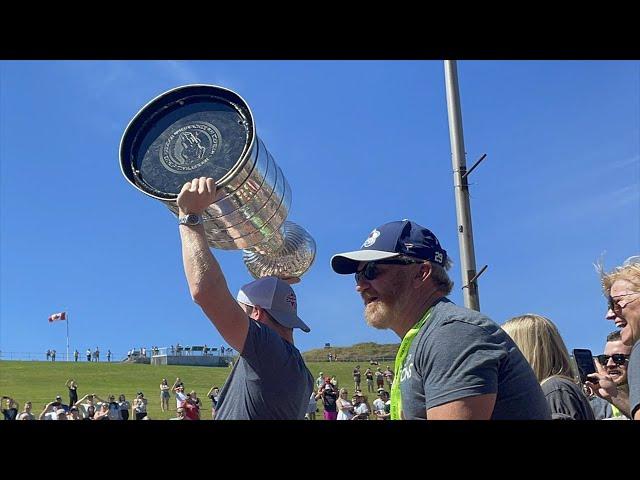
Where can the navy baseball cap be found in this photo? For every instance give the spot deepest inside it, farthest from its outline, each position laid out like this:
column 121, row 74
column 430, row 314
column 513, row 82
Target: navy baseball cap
column 393, row 239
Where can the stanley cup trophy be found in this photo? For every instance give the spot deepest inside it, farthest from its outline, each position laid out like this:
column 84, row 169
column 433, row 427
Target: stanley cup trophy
column 208, row 131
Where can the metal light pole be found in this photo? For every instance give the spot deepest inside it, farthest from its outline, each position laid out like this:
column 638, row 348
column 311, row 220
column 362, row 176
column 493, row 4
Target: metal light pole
column 461, row 189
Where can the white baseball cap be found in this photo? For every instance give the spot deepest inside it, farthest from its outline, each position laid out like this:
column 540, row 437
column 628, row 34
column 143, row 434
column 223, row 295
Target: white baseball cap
column 277, row 297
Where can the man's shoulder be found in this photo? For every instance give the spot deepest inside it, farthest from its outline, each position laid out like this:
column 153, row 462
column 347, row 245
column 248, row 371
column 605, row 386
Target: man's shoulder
column 448, row 313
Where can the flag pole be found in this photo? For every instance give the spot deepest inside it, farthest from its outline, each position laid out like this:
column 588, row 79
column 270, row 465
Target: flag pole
column 67, row 335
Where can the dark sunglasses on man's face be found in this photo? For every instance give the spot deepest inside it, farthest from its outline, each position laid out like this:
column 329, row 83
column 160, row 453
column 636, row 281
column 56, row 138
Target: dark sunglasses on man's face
column 618, row 358
column 370, row 270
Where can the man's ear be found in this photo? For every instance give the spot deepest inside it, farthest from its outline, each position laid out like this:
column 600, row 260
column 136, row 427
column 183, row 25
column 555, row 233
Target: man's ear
column 256, row 312
column 424, row 273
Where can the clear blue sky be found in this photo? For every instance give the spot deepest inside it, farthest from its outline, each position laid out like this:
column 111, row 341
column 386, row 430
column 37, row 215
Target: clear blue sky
column 361, row 143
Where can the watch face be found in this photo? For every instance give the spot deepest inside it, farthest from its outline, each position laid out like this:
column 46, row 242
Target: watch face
column 191, row 219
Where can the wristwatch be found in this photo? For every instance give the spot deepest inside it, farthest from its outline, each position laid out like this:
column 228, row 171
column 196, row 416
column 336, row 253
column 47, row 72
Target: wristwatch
column 190, row 219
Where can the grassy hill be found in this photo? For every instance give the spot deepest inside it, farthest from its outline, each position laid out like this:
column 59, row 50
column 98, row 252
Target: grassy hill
column 360, row 352
column 40, row 382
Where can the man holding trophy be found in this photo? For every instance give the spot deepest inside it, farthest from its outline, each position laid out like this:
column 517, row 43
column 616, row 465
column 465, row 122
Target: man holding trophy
column 238, row 199
column 270, row 381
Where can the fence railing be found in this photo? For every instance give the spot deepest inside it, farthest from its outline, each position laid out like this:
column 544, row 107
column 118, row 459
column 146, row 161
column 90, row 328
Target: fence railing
column 118, row 357
column 61, row 356
column 352, row 359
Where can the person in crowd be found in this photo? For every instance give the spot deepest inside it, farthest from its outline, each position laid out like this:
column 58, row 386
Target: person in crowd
column 540, row 342
column 258, row 324
column 125, row 406
column 60, row 414
column 76, row 354
column 613, row 364
column 213, row 394
column 113, row 408
column 181, row 397
column 621, row 287
column 108, row 355
column 26, row 413
column 361, row 410
column 48, row 354
column 381, row 406
column 9, row 408
column 195, row 399
column 73, row 414
column 320, row 380
column 177, row 383
column 191, row 408
column 401, row 275
column 53, row 355
column 89, row 400
column 102, row 412
column 345, row 407
column 96, row 355
column 357, row 376
column 379, row 378
column 368, row 375
column 140, row 406
column 50, row 411
column 388, row 376
column 164, row 395
column 312, row 408
column 88, row 354
column 58, row 403
column 73, row 391
column 179, row 414
column 89, row 413
column 329, row 396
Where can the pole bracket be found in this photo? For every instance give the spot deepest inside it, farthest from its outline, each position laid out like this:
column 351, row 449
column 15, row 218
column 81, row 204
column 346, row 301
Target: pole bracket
column 464, row 175
column 476, row 276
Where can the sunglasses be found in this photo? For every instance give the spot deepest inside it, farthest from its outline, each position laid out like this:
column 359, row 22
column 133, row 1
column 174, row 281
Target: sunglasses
column 618, row 358
column 614, row 305
column 370, row 270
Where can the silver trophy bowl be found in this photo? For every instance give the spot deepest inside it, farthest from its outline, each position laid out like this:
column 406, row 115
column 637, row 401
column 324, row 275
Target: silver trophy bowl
column 208, row 131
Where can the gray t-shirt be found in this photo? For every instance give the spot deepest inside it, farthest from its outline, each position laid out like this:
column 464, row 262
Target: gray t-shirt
column 270, row 381
column 566, row 400
column 601, row 408
column 461, row 353
column 633, row 378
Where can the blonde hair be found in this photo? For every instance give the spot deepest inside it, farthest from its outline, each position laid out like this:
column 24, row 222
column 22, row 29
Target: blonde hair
column 629, row 271
column 541, row 344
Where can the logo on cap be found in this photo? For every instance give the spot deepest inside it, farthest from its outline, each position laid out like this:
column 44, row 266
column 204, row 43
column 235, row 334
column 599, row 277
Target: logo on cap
column 371, row 238
column 438, row 257
column 291, row 300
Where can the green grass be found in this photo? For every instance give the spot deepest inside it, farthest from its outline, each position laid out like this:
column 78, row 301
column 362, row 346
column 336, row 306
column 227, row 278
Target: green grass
column 40, row 382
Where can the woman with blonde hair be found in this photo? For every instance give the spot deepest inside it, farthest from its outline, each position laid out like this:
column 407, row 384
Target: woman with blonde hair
column 345, row 407
column 541, row 344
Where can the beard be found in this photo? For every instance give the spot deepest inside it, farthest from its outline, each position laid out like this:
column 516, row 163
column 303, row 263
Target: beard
column 386, row 309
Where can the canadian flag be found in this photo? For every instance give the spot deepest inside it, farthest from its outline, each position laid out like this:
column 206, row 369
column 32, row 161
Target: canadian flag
column 58, row 316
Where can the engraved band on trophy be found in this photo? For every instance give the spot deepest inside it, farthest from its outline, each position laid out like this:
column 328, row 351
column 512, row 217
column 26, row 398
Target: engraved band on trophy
column 208, row 131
